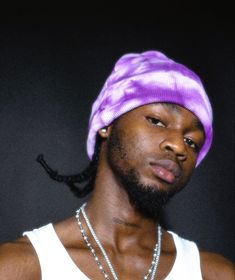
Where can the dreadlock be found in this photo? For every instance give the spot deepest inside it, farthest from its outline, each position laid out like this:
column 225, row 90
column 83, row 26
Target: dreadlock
column 88, row 174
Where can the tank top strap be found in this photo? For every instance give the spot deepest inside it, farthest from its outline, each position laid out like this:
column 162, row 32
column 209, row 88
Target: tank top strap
column 55, row 262
column 187, row 262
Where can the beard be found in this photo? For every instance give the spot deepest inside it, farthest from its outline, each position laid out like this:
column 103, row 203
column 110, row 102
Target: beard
column 147, row 200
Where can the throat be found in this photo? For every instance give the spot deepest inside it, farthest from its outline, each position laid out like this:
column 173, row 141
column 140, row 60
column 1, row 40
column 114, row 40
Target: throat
column 124, row 223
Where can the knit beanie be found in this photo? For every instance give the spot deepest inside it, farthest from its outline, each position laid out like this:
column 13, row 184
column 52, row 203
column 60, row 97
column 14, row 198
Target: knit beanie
column 149, row 77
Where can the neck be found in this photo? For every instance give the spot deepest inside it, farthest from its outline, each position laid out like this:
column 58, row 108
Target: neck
column 114, row 218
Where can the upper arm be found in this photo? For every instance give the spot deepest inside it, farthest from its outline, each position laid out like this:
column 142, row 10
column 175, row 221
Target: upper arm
column 216, row 267
column 18, row 261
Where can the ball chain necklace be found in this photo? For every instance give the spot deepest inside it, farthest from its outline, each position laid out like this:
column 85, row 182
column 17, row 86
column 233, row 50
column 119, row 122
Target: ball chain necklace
column 156, row 252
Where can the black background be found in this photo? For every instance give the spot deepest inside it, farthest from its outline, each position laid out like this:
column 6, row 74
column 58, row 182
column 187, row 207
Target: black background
column 53, row 64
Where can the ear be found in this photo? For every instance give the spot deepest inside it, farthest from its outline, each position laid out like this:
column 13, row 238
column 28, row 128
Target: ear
column 105, row 131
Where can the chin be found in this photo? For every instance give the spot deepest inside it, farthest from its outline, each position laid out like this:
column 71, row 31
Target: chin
column 146, row 195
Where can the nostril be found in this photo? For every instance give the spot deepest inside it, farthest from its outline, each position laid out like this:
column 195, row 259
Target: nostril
column 176, row 147
column 168, row 148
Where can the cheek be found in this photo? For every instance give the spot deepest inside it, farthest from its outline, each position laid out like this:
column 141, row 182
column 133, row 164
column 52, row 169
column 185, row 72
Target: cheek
column 188, row 168
column 191, row 160
column 128, row 148
column 140, row 145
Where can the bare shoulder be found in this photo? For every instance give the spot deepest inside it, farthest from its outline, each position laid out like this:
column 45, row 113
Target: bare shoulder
column 216, row 267
column 18, row 260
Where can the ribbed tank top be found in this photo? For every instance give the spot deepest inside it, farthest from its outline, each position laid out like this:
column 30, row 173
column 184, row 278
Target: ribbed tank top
column 56, row 263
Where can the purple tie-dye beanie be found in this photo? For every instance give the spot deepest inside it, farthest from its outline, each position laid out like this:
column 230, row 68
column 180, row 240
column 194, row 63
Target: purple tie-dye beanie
column 142, row 78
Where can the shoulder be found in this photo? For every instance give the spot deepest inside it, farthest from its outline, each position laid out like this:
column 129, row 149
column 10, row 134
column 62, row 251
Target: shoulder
column 216, row 267
column 213, row 266
column 18, row 260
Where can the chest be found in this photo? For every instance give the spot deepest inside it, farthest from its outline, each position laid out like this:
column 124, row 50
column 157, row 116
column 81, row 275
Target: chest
column 131, row 266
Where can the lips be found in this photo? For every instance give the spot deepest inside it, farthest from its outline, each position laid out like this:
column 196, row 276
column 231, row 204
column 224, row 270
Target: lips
column 166, row 169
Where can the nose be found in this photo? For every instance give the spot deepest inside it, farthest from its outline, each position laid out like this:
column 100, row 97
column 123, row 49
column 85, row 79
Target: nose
column 175, row 144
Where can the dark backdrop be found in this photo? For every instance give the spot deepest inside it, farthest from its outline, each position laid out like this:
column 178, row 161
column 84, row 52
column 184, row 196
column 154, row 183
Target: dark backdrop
column 50, row 73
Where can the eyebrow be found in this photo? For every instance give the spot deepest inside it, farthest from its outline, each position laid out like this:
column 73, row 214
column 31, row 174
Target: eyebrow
column 172, row 106
column 198, row 125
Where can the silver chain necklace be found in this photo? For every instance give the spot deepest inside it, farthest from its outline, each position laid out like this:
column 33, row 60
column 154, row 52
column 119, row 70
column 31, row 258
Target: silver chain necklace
column 156, row 253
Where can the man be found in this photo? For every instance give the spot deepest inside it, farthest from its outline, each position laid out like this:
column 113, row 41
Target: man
column 150, row 126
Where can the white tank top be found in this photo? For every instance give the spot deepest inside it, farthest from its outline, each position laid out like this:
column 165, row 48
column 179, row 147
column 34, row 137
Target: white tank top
column 56, row 263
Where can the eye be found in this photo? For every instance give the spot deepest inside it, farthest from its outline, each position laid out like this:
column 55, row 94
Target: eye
column 191, row 143
column 155, row 121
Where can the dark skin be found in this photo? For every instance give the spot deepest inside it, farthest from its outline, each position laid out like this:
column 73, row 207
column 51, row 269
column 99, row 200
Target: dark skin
column 148, row 133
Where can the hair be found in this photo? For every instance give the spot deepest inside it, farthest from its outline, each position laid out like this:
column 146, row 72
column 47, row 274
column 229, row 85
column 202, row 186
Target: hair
column 88, row 174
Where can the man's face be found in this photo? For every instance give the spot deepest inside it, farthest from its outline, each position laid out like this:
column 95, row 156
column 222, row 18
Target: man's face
column 152, row 151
